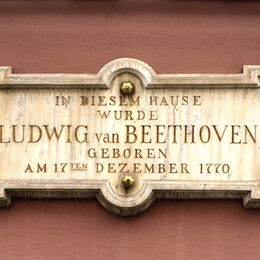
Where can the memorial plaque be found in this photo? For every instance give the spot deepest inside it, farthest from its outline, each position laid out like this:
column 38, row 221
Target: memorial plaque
column 128, row 135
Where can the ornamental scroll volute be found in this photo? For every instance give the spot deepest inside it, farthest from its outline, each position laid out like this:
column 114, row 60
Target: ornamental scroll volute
column 128, row 135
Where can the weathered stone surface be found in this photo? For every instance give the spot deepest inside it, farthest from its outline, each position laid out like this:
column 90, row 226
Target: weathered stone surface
column 175, row 136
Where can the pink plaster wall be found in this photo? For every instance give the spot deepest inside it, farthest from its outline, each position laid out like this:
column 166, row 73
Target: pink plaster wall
column 172, row 36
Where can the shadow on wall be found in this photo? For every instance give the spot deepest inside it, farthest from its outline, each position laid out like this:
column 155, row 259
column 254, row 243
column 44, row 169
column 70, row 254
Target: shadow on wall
column 229, row 7
column 228, row 1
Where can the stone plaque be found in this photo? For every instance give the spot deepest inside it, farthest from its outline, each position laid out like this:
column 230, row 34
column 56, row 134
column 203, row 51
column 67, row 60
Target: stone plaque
column 128, row 135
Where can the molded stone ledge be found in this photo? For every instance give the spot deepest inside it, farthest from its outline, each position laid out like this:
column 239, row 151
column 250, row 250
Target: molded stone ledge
column 134, row 204
column 248, row 79
column 252, row 198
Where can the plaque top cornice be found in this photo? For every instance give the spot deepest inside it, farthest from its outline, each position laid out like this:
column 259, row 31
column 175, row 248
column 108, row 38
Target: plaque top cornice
column 250, row 78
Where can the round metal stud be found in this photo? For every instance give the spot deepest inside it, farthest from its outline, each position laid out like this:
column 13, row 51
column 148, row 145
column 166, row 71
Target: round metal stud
column 128, row 181
column 127, row 88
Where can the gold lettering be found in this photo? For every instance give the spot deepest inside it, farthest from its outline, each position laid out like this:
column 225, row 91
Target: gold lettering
column 234, row 134
column 1, row 136
column 253, row 136
column 15, row 134
column 85, row 134
column 146, row 133
column 204, row 138
column 32, row 137
column 220, row 137
column 131, row 137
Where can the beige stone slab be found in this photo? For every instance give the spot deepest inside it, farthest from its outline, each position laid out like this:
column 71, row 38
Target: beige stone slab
column 177, row 136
